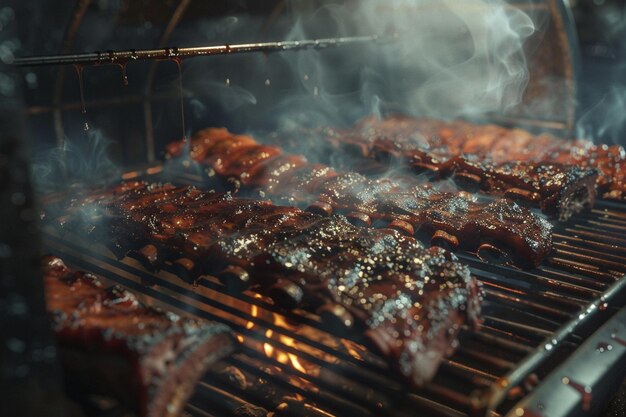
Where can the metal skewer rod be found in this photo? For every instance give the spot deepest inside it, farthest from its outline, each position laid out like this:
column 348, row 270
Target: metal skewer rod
column 119, row 57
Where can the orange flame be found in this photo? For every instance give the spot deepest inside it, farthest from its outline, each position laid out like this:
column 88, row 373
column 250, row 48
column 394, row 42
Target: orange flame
column 283, row 357
column 270, row 350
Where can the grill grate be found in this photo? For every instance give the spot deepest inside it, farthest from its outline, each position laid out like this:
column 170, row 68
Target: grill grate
column 533, row 321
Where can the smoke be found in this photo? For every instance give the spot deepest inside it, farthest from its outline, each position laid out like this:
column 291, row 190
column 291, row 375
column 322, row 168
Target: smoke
column 469, row 56
column 602, row 87
column 451, row 59
column 230, row 97
column 82, row 160
column 605, row 122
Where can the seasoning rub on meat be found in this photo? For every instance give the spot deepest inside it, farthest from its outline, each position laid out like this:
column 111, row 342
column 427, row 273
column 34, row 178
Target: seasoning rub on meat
column 407, row 300
column 499, row 231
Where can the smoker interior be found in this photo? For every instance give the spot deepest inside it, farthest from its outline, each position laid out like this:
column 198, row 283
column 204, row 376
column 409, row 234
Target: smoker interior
column 287, row 362
column 537, row 323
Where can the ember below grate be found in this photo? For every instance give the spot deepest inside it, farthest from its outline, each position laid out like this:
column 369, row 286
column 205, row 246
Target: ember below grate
column 288, row 364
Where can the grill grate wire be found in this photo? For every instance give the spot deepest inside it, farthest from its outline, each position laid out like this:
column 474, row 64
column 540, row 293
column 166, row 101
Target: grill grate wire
column 530, row 319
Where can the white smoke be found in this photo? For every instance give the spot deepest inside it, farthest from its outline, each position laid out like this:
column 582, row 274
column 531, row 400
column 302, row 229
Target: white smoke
column 231, row 97
column 451, row 59
column 604, row 122
column 83, row 159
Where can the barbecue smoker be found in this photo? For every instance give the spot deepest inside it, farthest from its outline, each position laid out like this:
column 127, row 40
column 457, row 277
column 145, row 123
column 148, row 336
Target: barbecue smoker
column 553, row 341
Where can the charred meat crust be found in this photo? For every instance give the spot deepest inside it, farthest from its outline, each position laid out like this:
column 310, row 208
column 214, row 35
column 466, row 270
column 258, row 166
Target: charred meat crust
column 291, row 179
column 498, row 145
column 559, row 189
column 408, row 300
column 111, row 344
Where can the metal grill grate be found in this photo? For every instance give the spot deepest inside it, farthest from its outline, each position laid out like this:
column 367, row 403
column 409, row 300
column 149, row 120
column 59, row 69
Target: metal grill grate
column 288, row 364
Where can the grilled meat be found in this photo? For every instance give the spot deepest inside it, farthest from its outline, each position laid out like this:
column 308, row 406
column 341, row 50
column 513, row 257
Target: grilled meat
column 407, row 300
column 373, row 146
column 111, row 344
column 500, row 231
column 500, row 145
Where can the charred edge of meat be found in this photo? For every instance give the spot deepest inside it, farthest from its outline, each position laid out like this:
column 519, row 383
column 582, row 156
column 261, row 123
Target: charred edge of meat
column 401, row 226
column 444, row 240
column 110, row 344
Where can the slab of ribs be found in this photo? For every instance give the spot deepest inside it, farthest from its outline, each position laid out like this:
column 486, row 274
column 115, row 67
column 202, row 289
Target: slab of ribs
column 498, row 231
column 406, row 300
column 110, row 344
column 544, row 171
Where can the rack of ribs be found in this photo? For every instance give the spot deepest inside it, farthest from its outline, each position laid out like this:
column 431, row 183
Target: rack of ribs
column 408, row 301
column 111, row 344
column 372, row 146
column 581, row 160
column 518, row 144
column 498, row 231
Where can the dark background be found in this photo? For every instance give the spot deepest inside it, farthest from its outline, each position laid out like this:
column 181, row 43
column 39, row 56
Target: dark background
column 601, row 27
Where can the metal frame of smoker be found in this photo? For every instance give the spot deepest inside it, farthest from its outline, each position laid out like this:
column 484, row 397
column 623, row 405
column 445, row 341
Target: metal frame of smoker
column 488, row 404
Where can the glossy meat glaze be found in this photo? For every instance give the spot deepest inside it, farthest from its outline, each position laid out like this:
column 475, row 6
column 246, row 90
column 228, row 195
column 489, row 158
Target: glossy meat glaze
column 500, row 230
column 111, row 344
column 408, row 301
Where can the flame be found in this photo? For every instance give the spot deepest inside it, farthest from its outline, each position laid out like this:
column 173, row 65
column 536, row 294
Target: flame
column 269, row 349
column 351, row 347
column 285, row 358
column 255, row 313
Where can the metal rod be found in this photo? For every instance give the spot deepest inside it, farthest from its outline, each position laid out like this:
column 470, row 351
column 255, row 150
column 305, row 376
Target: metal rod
column 117, row 57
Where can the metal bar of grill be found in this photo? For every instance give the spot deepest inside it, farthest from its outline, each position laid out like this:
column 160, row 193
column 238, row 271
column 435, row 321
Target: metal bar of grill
column 117, row 57
column 533, row 319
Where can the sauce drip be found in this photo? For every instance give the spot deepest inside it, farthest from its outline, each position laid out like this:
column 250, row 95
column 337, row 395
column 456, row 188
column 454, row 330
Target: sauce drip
column 178, row 62
column 79, row 73
column 583, row 390
column 124, row 75
column 267, row 81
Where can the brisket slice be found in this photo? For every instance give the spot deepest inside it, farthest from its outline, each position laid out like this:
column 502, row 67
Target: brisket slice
column 407, row 300
column 500, row 230
column 111, row 344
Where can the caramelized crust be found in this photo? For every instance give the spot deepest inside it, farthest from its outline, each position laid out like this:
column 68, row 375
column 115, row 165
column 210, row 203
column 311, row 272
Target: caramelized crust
column 407, row 300
column 521, row 237
column 498, row 145
column 113, row 345
column 374, row 146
